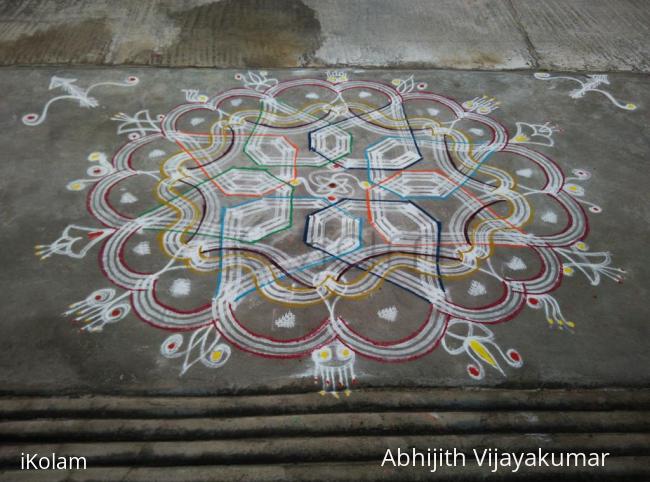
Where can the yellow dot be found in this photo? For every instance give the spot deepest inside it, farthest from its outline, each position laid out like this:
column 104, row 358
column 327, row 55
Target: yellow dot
column 630, row 106
column 216, row 355
column 395, row 81
column 560, row 322
column 572, row 188
column 346, row 352
column 294, row 182
column 568, row 270
column 323, row 355
column 520, row 138
column 203, row 98
column 365, row 184
column 76, row 186
column 550, row 321
column 95, row 156
column 570, row 324
column 581, row 246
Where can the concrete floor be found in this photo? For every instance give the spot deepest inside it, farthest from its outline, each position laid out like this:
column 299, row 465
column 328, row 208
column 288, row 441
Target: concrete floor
column 59, row 163
column 585, row 35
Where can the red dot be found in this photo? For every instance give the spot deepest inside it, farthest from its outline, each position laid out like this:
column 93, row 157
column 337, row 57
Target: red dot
column 115, row 312
column 98, row 297
column 331, row 198
column 473, row 371
column 171, row 346
column 332, row 185
column 515, row 356
column 533, row 301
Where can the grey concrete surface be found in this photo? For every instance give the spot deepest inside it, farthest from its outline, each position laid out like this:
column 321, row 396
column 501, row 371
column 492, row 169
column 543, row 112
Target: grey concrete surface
column 387, row 423
column 477, row 34
column 445, row 399
column 47, row 352
column 625, row 468
column 309, row 437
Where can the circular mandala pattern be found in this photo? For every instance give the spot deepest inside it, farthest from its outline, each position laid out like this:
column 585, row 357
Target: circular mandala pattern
column 335, row 218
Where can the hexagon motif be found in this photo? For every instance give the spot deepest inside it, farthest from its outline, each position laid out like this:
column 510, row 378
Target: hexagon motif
column 392, row 153
column 404, row 223
column 333, row 231
column 419, row 184
column 247, row 182
column 271, row 151
column 331, row 142
column 254, row 220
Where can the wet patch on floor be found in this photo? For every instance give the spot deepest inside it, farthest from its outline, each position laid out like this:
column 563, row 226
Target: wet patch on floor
column 276, row 33
column 85, row 42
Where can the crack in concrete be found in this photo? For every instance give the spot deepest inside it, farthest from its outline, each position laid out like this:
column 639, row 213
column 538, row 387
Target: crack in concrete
column 532, row 51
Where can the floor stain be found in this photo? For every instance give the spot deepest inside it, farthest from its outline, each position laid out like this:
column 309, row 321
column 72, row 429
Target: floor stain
column 246, row 33
column 83, row 42
column 476, row 60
